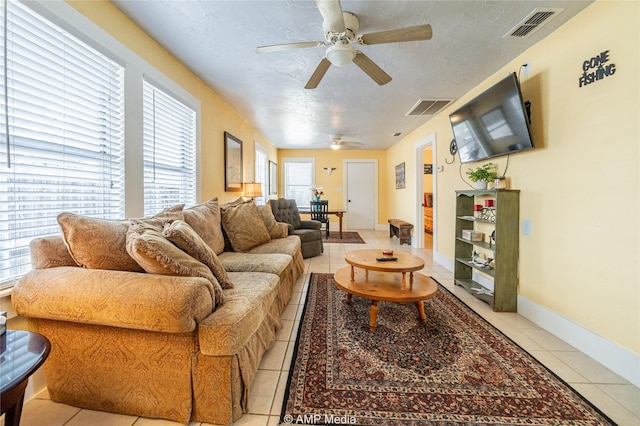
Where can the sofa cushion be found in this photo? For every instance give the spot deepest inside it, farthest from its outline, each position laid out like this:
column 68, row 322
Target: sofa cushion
column 187, row 239
column 157, row 255
column 205, row 219
column 244, row 226
column 101, row 243
column 226, row 331
column 50, row 252
column 275, row 229
column 273, row 263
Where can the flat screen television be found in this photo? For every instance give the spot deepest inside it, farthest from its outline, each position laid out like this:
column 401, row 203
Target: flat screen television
column 494, row 123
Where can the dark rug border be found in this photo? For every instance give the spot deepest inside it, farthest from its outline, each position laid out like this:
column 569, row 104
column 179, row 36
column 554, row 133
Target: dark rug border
column 440, row 287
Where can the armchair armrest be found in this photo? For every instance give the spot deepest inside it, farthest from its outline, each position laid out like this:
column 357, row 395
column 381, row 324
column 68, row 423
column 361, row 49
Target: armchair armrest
column 114, row 298
column 310, row 224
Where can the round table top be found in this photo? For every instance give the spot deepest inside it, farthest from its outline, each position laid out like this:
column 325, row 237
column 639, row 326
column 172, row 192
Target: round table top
column 366, row 259
column 23, row 353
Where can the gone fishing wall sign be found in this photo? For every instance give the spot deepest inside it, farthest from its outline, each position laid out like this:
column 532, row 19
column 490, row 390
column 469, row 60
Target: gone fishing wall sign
column 596, row 69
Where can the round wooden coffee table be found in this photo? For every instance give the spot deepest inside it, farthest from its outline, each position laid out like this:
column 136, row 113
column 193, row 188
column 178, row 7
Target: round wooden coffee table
column 381, row 281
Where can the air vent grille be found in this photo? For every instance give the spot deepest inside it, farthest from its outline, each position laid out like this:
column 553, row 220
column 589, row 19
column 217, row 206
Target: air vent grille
column 428, row 106
column 533, row 21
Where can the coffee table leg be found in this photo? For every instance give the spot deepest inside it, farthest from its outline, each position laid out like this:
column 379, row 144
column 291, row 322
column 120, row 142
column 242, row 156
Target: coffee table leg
column 373, row 315
column 349, row 298
column 352, row 273
column 423, row 316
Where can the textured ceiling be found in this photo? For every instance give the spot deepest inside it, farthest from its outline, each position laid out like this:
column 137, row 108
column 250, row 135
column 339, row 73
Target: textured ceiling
column 217, row 41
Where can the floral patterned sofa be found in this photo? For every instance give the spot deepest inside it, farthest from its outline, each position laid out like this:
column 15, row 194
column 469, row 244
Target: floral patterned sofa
column 164, row 317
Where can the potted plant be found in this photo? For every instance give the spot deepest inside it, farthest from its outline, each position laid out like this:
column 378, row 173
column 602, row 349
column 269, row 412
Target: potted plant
column 483, row 174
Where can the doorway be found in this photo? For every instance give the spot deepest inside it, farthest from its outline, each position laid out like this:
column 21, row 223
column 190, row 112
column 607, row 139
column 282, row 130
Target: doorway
column 361, row 195
column 425, row 184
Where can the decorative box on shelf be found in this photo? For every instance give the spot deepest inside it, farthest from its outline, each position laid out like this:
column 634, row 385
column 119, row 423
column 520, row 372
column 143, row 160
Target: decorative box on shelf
column 471, row 235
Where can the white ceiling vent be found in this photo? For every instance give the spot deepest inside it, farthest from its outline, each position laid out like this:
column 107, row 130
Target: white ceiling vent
column 428, row 106
column 534, row 21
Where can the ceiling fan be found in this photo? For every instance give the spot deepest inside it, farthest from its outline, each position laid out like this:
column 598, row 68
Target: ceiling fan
column 338, row 143
column 340, row 32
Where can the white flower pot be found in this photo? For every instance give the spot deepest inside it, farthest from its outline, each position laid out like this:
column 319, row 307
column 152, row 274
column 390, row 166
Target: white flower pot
column 481, row 184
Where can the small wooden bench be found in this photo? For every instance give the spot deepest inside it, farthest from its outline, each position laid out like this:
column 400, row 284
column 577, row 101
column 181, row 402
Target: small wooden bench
column 401, row 229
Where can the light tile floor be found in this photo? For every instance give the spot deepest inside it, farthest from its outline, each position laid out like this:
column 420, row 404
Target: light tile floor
column 609, row 392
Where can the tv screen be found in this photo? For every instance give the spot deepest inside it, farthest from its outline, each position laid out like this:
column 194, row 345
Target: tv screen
column 494, row 123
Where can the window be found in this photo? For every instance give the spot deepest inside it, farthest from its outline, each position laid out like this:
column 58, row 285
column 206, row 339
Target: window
column 261, row 174
column 61, row 133
column 298, row 180
column 169, row 145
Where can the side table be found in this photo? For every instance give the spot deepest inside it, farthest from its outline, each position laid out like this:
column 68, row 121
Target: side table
column 22, row 353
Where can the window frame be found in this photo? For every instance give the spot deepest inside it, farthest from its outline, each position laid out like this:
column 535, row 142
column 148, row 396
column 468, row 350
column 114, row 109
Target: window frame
column 303, row 202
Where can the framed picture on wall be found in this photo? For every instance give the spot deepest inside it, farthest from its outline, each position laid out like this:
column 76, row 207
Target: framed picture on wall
column 232, row 163
column 400, row 176
column 428, row 169
column 273, row 178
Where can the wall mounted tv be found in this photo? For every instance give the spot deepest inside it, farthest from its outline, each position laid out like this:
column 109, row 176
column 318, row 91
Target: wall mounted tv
column 494, row 123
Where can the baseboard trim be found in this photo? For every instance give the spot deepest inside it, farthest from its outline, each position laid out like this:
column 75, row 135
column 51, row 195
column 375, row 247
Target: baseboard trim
column 613, row 356
column 616, row 358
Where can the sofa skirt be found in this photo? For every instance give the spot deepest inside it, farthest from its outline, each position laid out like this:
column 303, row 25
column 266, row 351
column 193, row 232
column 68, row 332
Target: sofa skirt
column 120, row 370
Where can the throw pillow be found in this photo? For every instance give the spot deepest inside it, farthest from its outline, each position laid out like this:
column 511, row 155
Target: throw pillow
column 244, row 227
column 275, row 230
column 157, row 255
column 205, row 220
column 187, row 239
column 101, row 243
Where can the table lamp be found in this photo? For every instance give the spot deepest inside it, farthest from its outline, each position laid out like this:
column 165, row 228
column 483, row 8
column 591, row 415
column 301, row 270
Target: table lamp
column 252, row 189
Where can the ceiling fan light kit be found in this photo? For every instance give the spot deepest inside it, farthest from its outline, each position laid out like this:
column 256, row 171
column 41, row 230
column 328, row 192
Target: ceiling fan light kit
column 340, row 54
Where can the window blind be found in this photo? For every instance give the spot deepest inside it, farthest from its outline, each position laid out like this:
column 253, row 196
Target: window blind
column 61, row 133
column 261, row 175
column 298, row 180
column 169, row 145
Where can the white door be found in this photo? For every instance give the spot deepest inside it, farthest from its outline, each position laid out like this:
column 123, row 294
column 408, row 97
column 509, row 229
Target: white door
column 362, row 193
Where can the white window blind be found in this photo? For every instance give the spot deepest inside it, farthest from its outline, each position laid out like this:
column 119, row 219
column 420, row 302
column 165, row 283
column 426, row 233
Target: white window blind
column 169, row 151
column 298, row 181
column 261, row 175
column 61, row 133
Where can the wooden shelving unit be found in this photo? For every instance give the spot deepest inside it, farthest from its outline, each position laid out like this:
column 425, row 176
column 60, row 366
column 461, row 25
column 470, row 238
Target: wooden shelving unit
column 505, row 251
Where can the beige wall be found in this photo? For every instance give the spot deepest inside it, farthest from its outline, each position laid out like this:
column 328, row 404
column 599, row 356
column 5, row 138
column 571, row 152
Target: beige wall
column 330, row 184
column 580, row 186
column 217, row 115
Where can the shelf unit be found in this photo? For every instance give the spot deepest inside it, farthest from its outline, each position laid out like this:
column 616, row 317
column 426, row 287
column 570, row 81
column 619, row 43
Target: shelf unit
column 505, row 250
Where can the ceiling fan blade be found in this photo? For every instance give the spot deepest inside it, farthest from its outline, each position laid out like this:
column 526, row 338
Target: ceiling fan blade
column 331, row 12
column 371, row 69
column 317, row 75
column 287, row 46
column 419, row 32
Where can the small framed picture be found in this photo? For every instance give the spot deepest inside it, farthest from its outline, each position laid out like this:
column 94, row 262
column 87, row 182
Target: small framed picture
column 273, row 178
column 428, row 169
column 400, row 176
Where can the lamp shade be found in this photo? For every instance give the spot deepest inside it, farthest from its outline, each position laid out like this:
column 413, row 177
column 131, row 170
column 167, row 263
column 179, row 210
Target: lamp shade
column 252, row 189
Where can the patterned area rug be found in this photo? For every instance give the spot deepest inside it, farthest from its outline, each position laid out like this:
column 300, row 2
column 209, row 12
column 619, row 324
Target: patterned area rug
column 456, row 369
column 348, row 237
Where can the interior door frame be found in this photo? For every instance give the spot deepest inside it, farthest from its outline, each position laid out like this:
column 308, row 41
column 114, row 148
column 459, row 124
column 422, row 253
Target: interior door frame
column 345, row 178
column 429, row 141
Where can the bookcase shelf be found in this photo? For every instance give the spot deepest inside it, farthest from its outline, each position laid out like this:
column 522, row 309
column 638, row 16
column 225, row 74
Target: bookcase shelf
column 504, row 251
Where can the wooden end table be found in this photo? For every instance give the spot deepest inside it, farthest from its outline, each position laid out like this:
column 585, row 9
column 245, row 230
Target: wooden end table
column 22, row 354
column 381, row 281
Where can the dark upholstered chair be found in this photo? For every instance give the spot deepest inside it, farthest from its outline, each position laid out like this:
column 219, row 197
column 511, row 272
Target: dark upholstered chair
column 286, row 211
column 319, row 212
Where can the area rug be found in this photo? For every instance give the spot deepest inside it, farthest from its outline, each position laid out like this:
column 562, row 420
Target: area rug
column 457, row 369
column 348, row 237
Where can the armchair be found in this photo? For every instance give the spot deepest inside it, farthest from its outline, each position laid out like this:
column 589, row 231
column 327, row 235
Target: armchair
column 286, row 211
